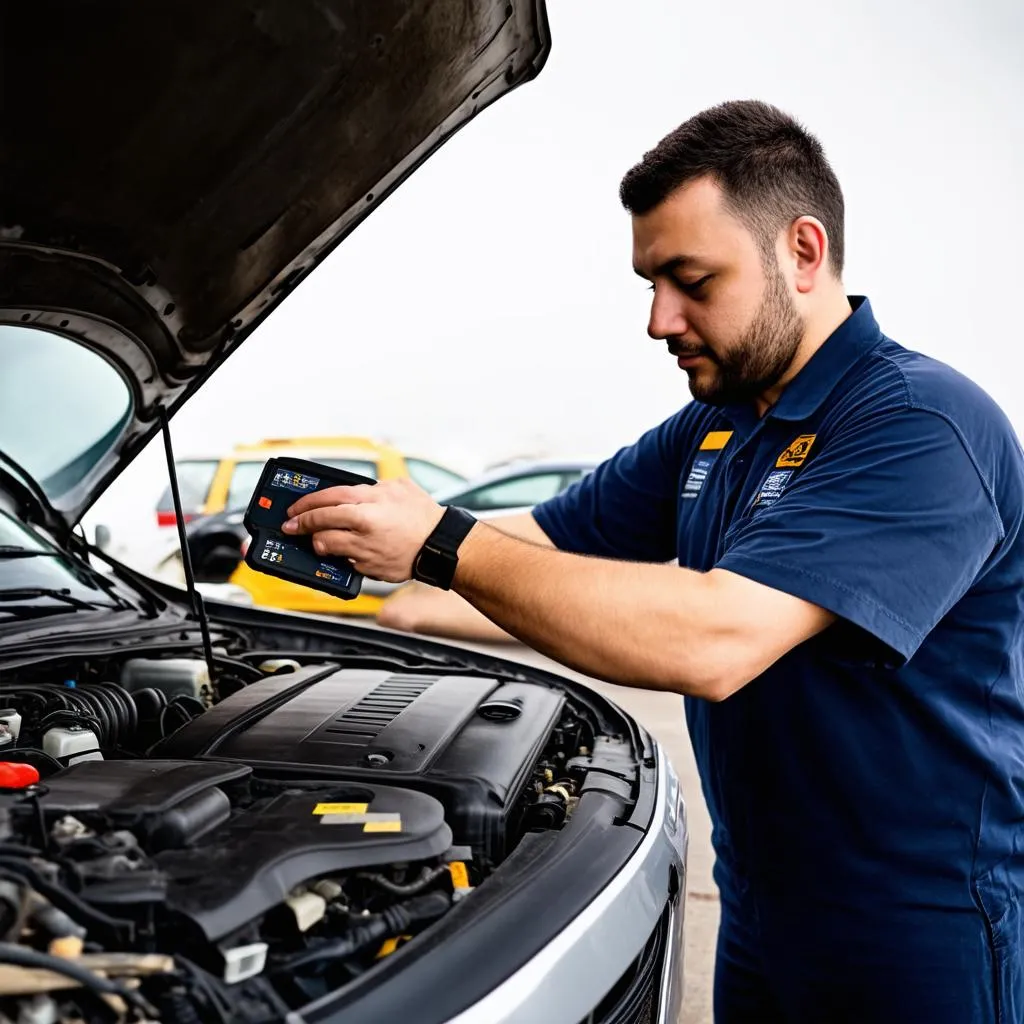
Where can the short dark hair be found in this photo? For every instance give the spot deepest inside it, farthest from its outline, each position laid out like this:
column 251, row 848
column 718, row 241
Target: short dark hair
column 770, row 168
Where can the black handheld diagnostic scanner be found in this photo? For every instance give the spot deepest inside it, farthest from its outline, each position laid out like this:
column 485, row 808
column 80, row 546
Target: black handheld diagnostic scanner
column 281, row 484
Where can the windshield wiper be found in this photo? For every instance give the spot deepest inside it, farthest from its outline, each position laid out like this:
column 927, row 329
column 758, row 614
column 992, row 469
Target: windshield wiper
column 30, row 593
column 28, row 481
column 14, row 551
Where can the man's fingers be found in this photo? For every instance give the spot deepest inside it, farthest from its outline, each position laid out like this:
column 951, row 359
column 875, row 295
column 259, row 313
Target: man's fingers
column 332, row 517
column 341, row 495
column 335, row 542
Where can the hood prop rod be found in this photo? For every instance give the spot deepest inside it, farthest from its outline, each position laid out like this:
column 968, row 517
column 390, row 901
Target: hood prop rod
column 198, row 609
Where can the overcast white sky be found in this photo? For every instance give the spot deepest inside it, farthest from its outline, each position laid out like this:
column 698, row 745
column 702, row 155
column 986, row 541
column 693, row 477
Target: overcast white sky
column 488, row 307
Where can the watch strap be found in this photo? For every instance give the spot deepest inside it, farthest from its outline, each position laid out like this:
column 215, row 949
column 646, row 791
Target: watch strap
column 436, row 561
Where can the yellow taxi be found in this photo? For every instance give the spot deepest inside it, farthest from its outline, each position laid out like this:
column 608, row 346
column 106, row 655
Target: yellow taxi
column 224, row 484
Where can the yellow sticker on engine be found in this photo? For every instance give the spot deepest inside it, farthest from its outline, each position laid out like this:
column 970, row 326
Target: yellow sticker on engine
column 384, row 826
column 340, row 808
column 460, row 876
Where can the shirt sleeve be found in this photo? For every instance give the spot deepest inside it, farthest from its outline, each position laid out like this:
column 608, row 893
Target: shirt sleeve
column 887, row 527
column 626, row 508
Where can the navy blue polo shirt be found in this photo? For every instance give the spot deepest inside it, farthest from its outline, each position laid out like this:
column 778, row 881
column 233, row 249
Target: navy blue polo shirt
column 886, row 755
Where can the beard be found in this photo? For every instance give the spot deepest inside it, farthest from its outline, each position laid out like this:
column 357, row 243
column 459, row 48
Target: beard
column 760, row 357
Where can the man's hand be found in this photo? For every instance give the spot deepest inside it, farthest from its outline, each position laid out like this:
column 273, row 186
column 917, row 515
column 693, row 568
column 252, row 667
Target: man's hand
column 379, row 528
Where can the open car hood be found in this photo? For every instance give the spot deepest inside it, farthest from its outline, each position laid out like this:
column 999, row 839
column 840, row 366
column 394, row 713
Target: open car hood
column 171, row 171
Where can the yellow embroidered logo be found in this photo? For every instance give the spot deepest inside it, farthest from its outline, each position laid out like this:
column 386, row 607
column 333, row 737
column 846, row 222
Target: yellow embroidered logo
column 715, row 441
column 795, row 454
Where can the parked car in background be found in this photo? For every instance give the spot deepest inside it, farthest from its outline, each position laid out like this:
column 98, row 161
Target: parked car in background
column 217, row 542
column 216, row 536
column 516, row 486
column 224, row 482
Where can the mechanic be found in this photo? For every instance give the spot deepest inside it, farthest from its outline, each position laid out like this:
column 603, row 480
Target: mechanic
column 846, row 616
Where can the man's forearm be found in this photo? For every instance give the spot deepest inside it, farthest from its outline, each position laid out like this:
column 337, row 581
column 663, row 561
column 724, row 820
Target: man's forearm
column 656, row 626
column 417, row 608
column 637, row 624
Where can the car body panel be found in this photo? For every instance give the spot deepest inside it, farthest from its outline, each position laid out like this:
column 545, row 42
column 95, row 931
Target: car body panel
column 565, row 980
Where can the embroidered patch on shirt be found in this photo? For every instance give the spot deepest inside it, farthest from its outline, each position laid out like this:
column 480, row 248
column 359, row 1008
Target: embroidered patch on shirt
column 710, row 449
column 772, row 488
column 715, row 440
column 797, row 452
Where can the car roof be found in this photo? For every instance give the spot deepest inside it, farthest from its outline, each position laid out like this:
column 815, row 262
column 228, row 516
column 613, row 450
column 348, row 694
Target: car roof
column 344, row 447
column 520, row 467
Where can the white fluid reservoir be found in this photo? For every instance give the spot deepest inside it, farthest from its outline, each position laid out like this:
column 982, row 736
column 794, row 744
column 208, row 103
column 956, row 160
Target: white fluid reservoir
column 72, row 743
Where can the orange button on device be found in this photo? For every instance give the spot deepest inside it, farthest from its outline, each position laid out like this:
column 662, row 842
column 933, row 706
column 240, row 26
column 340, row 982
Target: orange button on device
column 265, row 503
column 17, row 776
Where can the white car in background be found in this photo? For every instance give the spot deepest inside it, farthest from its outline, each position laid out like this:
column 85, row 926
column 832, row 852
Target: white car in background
column 516, row 486
column 505, row 489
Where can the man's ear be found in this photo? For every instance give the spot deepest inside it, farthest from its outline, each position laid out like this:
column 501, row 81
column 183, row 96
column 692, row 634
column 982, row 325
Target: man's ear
column 807, row 245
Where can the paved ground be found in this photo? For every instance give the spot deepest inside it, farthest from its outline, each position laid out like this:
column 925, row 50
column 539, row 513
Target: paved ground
column 662, row 714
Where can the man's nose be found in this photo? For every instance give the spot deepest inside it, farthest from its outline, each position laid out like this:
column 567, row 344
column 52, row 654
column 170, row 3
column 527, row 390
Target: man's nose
column 667, row 317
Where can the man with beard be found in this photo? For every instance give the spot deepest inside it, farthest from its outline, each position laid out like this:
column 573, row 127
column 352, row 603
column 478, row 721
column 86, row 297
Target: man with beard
column 845, row 618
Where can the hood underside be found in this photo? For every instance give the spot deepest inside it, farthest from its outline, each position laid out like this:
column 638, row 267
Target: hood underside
column 170, row 171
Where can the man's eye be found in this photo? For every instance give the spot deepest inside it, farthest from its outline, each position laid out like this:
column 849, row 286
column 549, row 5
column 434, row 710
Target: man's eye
column 695, row 287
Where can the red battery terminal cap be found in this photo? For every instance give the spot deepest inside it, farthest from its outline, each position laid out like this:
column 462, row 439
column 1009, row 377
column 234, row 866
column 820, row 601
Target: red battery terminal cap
column 17, row 776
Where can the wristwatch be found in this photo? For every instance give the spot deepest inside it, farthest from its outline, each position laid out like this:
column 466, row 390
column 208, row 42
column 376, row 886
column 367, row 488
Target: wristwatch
column 436, row 561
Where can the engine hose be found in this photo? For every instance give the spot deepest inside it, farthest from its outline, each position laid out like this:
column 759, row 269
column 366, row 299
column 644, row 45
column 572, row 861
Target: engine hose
column 186, row 701
column 236, row 663
column 131, row 708
column 10, row 953
column 148, row 703
column 176, row 1006
column 392, row 921
column 105, row 703
column 64, row 695
column 121, row 699
column 117, row 929
column 110, row 707
column 211, row 988
column 17, row 850
column 427, row 876
column 27, row 693
column 98, row 709
column 173, row 709
column 74, row 718
column 121, row 708
column 105, row 707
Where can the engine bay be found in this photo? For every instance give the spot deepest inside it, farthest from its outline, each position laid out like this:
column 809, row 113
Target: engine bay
column 177, row 847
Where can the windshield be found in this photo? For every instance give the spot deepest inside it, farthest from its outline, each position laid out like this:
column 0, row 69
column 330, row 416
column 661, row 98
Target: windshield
column 431, row 477
column 62, row 406
column 36, row 578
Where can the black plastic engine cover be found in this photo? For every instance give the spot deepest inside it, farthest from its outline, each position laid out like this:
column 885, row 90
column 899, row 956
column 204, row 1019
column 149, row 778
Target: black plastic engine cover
column 234, row 865
column 125, row 791
column 470, row 741
column 251, row 863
